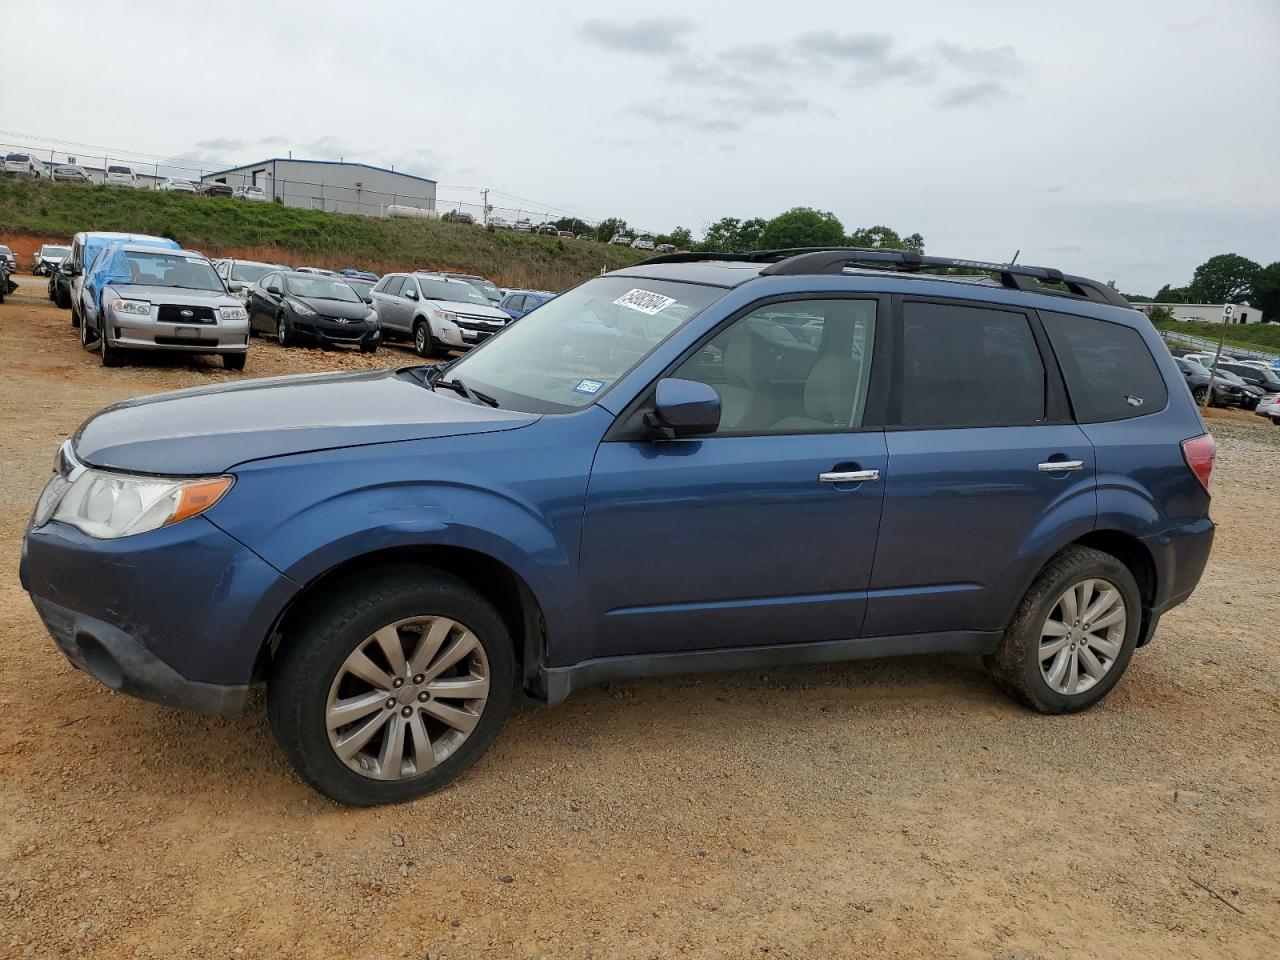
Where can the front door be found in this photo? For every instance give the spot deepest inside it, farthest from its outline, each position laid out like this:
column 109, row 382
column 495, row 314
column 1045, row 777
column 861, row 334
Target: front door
column 764, row 532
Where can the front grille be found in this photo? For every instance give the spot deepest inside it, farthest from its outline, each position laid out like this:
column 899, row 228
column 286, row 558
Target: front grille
column 173, row 313
column 487, row 324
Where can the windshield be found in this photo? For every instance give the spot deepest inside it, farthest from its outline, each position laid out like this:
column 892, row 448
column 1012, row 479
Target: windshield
column 250, row 272
column 487, row 288
column 48, row 251
column 363, row 287
column 574, row 348
column 171, row 270
column 321, row 288
column 458, row 290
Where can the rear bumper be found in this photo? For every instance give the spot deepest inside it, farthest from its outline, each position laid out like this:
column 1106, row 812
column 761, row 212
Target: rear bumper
column 177, row 615
column 1180, row 556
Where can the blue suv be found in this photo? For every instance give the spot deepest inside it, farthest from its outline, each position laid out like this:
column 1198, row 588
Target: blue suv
column 702, row 462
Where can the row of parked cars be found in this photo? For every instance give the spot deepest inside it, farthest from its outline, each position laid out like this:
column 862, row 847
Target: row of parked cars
column 137, row 292
column 121, row 175
column 1245, row 382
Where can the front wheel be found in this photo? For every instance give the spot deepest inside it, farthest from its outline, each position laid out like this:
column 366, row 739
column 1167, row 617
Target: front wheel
column 111, row 356
column 234, row 361
column 392, row 686
column 283, row 335
column 1073, row 634
column 368, row 348
column 1198, row 394
column 423, row 344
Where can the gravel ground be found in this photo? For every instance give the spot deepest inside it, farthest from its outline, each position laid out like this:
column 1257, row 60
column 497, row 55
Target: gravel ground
column 901, row 808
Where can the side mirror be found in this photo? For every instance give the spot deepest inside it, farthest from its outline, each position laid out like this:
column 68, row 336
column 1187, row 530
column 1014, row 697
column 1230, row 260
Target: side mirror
column 235, row 286
column 683, row 408
column 411, row 294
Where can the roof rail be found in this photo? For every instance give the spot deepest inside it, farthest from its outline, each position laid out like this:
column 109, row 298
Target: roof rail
column 817, row 260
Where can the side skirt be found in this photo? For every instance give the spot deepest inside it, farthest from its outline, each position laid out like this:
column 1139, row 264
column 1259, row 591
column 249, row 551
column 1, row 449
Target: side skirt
column 556, row 683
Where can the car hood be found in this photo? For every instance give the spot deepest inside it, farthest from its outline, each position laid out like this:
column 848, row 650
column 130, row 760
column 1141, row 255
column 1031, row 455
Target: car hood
column 53, row 257
column 180, row 295
column 335, row 308
column 210, row 429
column 467, row 308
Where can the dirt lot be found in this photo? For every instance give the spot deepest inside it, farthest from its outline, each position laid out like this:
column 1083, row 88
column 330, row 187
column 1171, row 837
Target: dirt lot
column 900, row 809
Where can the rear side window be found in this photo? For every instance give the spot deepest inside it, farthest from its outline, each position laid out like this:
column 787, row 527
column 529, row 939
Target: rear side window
column 1110, row 373
column 967, row 367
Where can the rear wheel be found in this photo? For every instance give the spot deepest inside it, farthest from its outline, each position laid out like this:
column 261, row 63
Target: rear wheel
column 392, row 686
column 1073, row 634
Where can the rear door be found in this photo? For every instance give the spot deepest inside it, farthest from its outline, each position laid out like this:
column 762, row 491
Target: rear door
column 984, row 464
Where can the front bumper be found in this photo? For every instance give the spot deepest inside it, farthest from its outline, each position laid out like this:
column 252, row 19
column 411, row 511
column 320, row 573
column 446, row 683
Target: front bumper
column 130, row 332
column 177, row 615
column 332, row 332
column 464, row 334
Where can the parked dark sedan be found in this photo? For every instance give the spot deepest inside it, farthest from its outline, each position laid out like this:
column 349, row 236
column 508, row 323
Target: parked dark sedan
column 60, row 285
column 1225, row 394
column 312, row 308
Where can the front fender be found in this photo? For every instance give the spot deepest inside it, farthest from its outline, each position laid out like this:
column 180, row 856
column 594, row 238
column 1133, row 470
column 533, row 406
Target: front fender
column 517, row 499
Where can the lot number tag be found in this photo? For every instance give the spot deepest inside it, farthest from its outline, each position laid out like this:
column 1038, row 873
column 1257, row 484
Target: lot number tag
column 645, row 301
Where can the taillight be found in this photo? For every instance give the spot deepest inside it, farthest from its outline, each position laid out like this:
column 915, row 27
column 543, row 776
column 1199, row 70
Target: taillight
column 1198, row 452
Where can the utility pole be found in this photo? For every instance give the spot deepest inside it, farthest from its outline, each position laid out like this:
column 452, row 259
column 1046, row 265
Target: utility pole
column 484, row 194
column 1227, row 311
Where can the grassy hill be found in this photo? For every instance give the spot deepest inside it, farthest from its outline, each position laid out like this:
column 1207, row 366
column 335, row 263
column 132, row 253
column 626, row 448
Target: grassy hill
column 220, row 226
column 1253, row 336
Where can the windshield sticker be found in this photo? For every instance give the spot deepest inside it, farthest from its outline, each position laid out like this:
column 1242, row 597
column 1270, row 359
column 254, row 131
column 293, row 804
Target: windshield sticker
column 645, row 301
column 588, row 387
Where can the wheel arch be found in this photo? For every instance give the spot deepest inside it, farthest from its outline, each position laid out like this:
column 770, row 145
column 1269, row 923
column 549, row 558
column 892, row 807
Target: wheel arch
column 1135, row 555
column 504, row 587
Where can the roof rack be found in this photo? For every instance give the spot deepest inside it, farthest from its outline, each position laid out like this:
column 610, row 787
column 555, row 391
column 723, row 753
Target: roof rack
column 798, row 261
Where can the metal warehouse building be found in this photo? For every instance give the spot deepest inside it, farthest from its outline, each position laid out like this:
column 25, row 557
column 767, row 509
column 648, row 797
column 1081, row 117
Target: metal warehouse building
column 337, row 187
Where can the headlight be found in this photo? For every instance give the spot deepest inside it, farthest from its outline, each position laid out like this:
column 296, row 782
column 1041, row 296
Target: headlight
column 233, row 313
column 372, row 315
column 445, row 315
column 300, row 308
column 139, row 308
column 110, row 505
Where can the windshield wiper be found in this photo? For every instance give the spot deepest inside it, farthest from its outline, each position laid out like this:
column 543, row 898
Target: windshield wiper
column 458, row 386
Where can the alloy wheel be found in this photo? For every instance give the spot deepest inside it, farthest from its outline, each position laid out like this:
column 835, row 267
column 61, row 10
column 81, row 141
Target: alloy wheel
column 407, row 697
column 420, row 338
column 282, row 335
column 1082, row 636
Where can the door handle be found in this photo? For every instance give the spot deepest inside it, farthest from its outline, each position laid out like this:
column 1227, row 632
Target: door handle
column 1063, row 466
column 849, row 476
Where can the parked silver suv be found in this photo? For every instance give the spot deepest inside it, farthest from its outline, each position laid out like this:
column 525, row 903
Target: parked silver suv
column 158, row 299
column 437, row 313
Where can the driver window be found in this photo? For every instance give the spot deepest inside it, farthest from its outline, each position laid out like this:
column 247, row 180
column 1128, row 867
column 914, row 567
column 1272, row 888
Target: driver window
column 272, row 283
column 802, row 366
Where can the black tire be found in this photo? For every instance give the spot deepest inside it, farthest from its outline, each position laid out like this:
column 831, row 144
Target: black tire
column 1015, row 665
column 284, row 336
column 1198, row 394
column 234, row 361
column 424, row 344
column 61, row 298
column 87, row 336
column 75, row 315
column 314, row 651
column 368, row 348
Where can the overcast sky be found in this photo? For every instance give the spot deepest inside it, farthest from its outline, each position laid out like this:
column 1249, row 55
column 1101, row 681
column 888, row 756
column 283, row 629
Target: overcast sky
column 1125, row 140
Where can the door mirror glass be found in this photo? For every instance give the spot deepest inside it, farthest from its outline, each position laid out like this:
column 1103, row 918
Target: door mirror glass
column 410, row 293
column 683, row 408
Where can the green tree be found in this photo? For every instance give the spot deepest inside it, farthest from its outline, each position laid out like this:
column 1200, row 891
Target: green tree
column 609, row 227
column 1266, row 292
column 731, row 235
column 1168, row 294
column 1226, row 278
column 682, row 237
column 802, row 227
column 1160, row 315
column 573, row 225
column 914, row 242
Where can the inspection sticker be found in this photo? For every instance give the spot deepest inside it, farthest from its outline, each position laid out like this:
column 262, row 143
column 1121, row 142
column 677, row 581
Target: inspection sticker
column 588, row 386
column 645, row 301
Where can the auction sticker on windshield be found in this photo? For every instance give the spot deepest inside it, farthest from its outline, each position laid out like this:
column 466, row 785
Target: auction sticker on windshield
column 588, row 386
column 645, row 301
